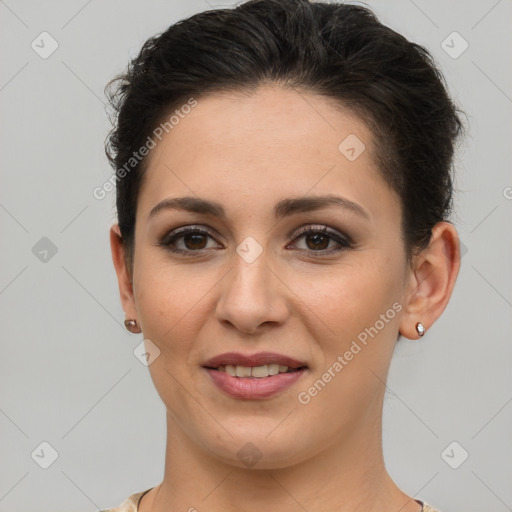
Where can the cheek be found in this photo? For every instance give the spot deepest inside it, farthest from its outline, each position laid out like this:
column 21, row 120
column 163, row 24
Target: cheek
column 352, row 296
column 172, row 298
column 348, row 306
column 173, row 302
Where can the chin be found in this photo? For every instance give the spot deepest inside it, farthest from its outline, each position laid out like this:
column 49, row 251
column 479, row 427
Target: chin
column 255, row 449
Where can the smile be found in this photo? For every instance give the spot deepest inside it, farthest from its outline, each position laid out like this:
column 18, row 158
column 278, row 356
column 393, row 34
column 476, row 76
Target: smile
column 257, row 372
column 254, row 376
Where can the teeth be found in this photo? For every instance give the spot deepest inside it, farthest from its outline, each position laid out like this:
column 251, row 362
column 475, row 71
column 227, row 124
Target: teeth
column 254, row 371
column 273, row 369
column 243, row 371
column 260, row 371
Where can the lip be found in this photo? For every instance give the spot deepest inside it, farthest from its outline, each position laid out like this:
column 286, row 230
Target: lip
column 259, row 359
column 254, row 388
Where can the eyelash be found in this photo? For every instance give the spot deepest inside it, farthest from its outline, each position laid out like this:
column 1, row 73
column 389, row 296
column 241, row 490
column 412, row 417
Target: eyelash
column 344, row 242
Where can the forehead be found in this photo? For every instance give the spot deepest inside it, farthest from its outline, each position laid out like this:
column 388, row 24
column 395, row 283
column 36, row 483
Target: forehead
column 250, row 149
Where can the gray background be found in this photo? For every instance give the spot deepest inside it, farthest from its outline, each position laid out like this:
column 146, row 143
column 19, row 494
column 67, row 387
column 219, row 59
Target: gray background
column 68, row 373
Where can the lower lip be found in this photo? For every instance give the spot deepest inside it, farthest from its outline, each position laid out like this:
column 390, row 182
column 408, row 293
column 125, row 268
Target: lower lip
column 253, row 388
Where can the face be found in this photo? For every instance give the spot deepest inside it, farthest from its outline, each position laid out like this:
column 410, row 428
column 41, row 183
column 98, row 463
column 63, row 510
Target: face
column 287, row 252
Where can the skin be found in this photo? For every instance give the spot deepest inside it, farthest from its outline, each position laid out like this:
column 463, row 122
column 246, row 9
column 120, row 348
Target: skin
column 247, row 152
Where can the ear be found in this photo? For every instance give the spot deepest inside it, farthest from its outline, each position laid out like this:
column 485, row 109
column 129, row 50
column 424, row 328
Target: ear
column 124, row 277
column 432, row 278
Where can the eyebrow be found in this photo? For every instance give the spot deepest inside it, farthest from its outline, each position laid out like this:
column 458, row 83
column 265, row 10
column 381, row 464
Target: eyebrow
column 283, row 208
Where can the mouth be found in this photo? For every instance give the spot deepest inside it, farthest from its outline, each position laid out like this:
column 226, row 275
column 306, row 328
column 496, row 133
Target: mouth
column 260, row 365
column 257, row 372
column 256, row 376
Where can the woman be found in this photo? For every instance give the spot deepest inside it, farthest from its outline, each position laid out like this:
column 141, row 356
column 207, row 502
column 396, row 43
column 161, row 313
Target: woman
column 283, row 174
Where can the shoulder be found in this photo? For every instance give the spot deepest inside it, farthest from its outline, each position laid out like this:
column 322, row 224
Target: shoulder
column 130, row 504
column 428, row 508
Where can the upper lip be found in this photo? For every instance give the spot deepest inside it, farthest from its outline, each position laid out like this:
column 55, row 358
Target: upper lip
column 259, row 359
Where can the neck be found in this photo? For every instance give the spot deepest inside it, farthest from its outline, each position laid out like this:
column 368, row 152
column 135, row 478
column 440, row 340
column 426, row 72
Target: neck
column 348, row 475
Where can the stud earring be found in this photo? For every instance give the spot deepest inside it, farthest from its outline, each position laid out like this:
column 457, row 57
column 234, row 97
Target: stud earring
column 420, row 329
column 132, row 326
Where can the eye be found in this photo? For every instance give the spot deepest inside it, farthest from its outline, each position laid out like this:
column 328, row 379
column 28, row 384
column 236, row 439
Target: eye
column 193, row 241
column 189, row 239
column 322, row 240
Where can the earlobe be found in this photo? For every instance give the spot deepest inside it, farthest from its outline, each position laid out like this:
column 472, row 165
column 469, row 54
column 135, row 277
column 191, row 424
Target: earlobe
column 433, row 275
column 124, row 278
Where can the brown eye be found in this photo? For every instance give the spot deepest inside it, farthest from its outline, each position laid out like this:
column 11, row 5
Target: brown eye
column 317, row 241
column 189, row 240
column 195, row 241
column 321, row 241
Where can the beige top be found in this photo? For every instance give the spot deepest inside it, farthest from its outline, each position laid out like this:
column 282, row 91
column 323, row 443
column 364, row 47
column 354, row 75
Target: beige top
column 131, row 504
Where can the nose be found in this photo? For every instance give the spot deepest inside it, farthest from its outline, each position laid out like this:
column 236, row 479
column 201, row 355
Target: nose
column 252, row 296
